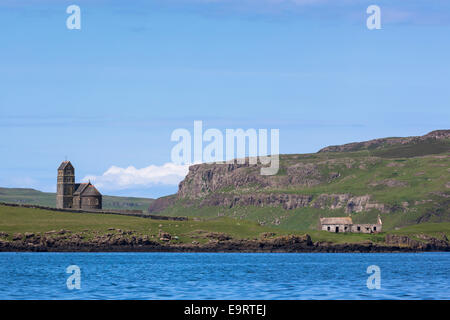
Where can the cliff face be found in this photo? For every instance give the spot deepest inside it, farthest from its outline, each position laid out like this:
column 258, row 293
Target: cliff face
column 386, row 176
column 242, row 185
column 204, row 179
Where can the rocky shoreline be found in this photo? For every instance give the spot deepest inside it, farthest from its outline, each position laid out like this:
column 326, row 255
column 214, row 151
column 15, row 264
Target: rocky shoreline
column 286, row 244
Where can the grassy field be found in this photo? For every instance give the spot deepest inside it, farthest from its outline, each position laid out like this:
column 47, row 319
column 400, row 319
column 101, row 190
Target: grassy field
column 48, row 199
column 21, row 220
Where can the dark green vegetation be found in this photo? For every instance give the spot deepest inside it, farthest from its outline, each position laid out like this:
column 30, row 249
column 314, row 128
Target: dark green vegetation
column 48, row 199
column 418, row 149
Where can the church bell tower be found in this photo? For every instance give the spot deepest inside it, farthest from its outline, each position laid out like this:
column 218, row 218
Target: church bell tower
column 65, row 185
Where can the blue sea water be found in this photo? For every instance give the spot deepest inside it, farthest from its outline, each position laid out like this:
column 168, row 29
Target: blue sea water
column 224, row 276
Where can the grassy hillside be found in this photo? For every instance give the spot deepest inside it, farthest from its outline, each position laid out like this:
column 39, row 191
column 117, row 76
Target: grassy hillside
column 406, row 183
column 48, row 199
column 21, row 220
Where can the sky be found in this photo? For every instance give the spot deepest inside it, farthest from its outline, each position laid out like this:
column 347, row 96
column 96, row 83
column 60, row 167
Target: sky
column 108, row 96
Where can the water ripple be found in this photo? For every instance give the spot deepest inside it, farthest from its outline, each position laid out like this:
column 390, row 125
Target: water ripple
column 224, row 276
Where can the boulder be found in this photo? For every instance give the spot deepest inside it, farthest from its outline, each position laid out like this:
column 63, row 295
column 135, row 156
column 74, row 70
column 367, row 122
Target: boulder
column 17, row 236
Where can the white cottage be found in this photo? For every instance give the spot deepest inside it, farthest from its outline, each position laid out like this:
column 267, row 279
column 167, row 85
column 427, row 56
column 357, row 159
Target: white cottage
column 345, row 224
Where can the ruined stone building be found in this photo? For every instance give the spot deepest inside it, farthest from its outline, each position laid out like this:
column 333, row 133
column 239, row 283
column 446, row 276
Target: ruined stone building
column 345, row 224
column 75, row 195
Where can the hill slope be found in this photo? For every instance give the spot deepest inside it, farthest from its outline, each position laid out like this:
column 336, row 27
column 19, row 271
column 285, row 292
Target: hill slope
column 48, row 199
column 405, row 180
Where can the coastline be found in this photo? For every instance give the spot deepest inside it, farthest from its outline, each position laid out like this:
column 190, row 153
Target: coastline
column 289, row 244
column 39, row 230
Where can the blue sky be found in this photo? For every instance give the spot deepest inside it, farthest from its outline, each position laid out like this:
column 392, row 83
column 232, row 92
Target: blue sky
column 110, row 95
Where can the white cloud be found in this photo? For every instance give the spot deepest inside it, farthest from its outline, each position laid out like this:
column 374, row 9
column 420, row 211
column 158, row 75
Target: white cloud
column 116, row 178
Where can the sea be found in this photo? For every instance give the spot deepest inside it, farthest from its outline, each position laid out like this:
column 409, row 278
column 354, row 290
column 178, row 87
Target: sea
column 228, row 276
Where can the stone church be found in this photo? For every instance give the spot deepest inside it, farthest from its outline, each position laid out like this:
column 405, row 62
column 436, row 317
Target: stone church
column 75, row 195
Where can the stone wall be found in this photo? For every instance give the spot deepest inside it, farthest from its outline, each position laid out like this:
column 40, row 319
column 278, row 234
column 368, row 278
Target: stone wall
column 366, row 228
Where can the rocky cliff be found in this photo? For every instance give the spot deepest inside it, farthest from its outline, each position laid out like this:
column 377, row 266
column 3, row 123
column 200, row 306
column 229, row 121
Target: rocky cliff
column 406, row 179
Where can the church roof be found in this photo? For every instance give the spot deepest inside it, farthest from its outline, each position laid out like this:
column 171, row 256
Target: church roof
column 338, row 220
column 91, row 191
column 79, row 188
column 86, row 189
column 64, row 164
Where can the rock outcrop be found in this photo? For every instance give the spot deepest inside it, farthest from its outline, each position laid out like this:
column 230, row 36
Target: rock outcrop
column 218, row 242
column 425, row 243
column 285, row 201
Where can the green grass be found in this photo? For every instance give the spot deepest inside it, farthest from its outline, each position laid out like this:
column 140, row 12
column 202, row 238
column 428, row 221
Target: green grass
column 48, row 199
column 421, row 176
column 413, row 149
column 21, row 220
column 433, row 229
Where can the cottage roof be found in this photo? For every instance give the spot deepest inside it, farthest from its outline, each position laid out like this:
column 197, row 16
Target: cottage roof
column 65, row 164
column 337, row 220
